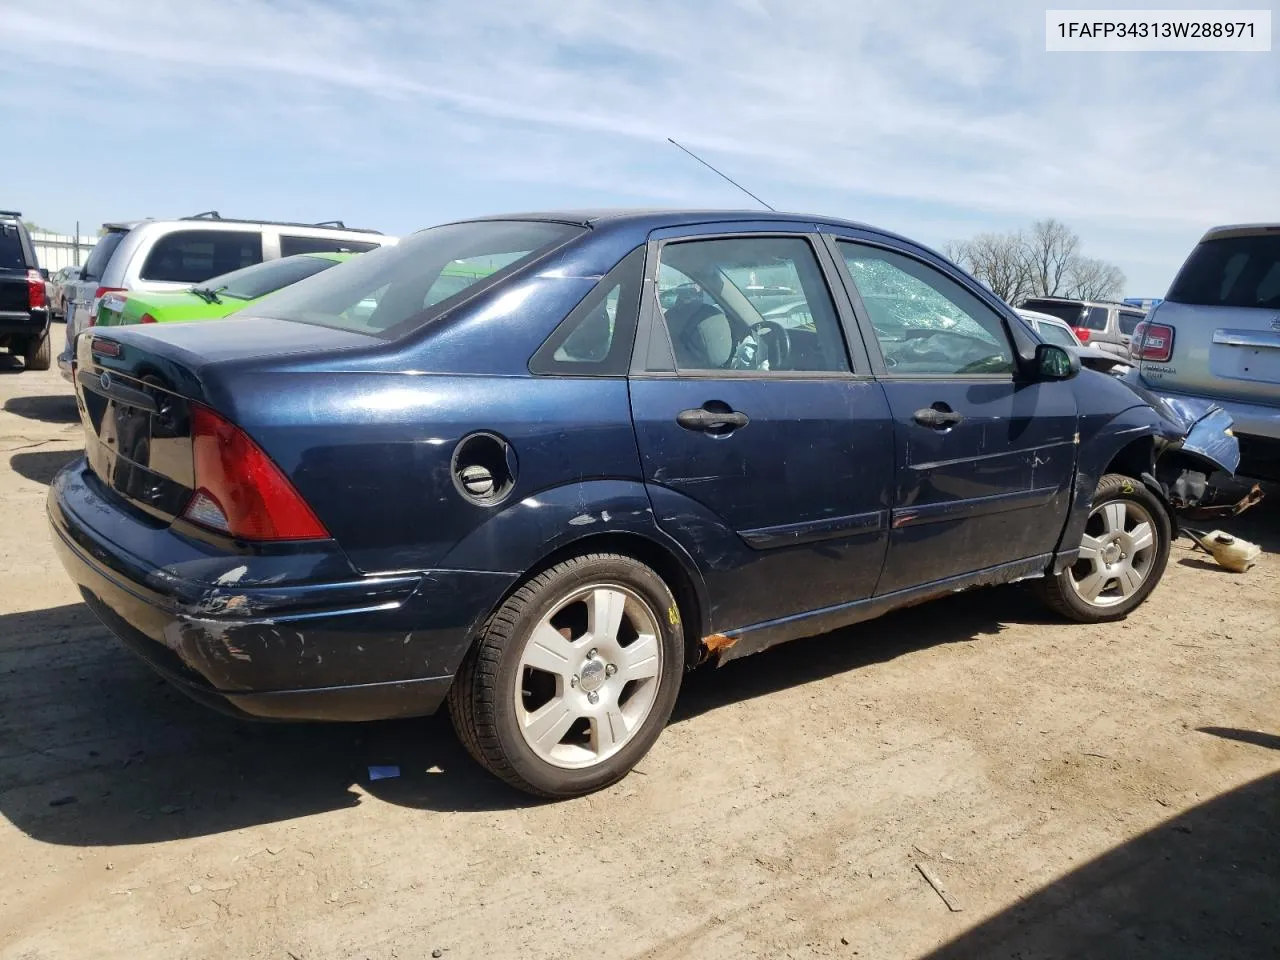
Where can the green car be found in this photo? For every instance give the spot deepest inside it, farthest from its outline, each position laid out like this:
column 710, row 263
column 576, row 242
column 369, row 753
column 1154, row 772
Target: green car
column 218, row 296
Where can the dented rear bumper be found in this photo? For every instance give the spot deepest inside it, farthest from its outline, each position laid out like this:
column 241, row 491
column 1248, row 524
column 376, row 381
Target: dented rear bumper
column 276, row 636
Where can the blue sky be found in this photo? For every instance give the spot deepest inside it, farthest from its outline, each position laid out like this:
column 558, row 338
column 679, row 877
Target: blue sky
column 936, row 119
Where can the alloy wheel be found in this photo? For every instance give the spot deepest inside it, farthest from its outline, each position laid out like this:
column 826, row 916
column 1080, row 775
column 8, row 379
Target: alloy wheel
column 1116, row 554
column 588, row 675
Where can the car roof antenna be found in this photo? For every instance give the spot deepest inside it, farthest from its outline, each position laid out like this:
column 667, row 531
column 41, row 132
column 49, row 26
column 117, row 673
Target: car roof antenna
column 719, row 174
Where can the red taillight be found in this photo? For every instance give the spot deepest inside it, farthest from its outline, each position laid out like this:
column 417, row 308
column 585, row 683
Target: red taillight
column 239, row 491
column 147, row 318
column 1082, row 334
column 35, row 290
column 97, row 300
column 1151, row 341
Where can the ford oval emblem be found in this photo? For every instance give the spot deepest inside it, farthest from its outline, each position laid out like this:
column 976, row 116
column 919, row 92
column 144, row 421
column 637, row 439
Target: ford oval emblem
column 104, row 381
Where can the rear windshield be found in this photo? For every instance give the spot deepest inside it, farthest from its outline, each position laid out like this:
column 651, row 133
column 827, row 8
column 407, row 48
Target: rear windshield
column 263, row 278
column 1231, row 272
column 1070, row 312
column 397, row 289
column 101, row 254
column 11, row 256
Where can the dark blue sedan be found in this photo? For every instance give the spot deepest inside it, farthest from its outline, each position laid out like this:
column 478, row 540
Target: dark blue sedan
column 539, row 466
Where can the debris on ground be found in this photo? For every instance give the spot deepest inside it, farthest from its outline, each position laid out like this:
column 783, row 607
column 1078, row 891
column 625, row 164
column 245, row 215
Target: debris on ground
column 1231, row 552
column 952, row 903
column 384, row 772
column 62, row 801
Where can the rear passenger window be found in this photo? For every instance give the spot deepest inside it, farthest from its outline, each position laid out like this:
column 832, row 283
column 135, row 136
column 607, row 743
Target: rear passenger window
column 1095, row 318
column 291, row 245
column 193, row 256
column 595, row 339
column 756, row 304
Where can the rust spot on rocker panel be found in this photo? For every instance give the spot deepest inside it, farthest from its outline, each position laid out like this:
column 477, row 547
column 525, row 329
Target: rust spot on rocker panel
column 717, row 643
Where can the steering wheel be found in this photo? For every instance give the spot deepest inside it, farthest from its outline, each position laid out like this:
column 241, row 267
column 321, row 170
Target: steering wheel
column 776, row 341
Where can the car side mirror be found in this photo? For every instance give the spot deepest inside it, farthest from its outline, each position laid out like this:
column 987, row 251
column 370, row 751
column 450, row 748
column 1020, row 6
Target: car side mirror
column 1055, row 363
column 44, row 272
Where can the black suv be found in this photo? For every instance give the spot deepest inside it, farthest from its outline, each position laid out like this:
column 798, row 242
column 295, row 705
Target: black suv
column 24, row 300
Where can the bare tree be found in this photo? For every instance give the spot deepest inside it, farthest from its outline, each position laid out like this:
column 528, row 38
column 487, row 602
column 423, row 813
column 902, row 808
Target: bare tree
column 999, row 260
column 1051, row 247
column 1090, row 279
column 1042, row 262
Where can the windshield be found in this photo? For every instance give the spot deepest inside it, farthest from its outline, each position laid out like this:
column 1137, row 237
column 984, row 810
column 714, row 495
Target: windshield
column 397, row 289
column 102, row 251
column 249, row 283
column 1231, row 272
column 1052, row 333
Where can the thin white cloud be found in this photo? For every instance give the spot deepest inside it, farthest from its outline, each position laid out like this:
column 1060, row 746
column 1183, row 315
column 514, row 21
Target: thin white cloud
column 929, row 102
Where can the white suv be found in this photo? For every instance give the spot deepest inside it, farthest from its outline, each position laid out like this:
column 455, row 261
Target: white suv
column 160, row 255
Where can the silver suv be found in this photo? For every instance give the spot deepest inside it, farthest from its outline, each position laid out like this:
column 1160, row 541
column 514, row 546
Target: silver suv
column 1217, row 336
column 161, row 255
column 1097, row 323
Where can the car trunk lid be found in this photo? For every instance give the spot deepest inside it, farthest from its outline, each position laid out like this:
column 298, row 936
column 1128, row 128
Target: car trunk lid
column 137, row 389
column 1229, row 352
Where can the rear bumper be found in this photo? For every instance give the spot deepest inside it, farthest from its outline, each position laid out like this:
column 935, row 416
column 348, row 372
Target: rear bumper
column 23, row 323
column 256, row 641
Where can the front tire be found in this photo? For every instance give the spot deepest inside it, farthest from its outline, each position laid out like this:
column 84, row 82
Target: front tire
column 1123, row 555
column 38, row 354
column 573, row 678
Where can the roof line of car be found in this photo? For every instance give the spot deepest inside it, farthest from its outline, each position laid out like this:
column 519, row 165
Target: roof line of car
column 127, row 225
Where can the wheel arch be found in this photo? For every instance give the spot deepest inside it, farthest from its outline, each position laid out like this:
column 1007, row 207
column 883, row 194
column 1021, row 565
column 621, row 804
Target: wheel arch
column 668, row 561
column 677, row 571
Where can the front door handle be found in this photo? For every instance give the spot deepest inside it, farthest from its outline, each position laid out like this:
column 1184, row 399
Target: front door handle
column 712, row 421
column 935, row 418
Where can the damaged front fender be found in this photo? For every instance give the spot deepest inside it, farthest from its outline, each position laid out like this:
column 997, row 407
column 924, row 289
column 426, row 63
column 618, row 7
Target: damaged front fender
column 1203, row 427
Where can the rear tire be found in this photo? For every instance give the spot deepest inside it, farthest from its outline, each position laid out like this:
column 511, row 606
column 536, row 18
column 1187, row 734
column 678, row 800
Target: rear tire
column 38, row 354
column 1123, row 555
column 573, row 678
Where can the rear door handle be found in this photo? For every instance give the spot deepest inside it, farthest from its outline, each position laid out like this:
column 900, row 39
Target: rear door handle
column 712, row 421
column 935, row 418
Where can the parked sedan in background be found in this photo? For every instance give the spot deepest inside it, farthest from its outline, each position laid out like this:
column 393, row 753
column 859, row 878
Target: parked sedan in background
column 62, row 280
column 542, row 495
column 1054, row 330
column 1217, row 336
column 216, row 297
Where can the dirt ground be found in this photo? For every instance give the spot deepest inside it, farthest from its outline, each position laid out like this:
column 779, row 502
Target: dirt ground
column 1076, row 791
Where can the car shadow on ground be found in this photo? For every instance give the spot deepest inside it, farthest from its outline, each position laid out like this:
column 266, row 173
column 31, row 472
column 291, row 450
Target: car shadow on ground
column 1204, row 884
column 99, row 751
column 42, row 465
column 55, row 408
